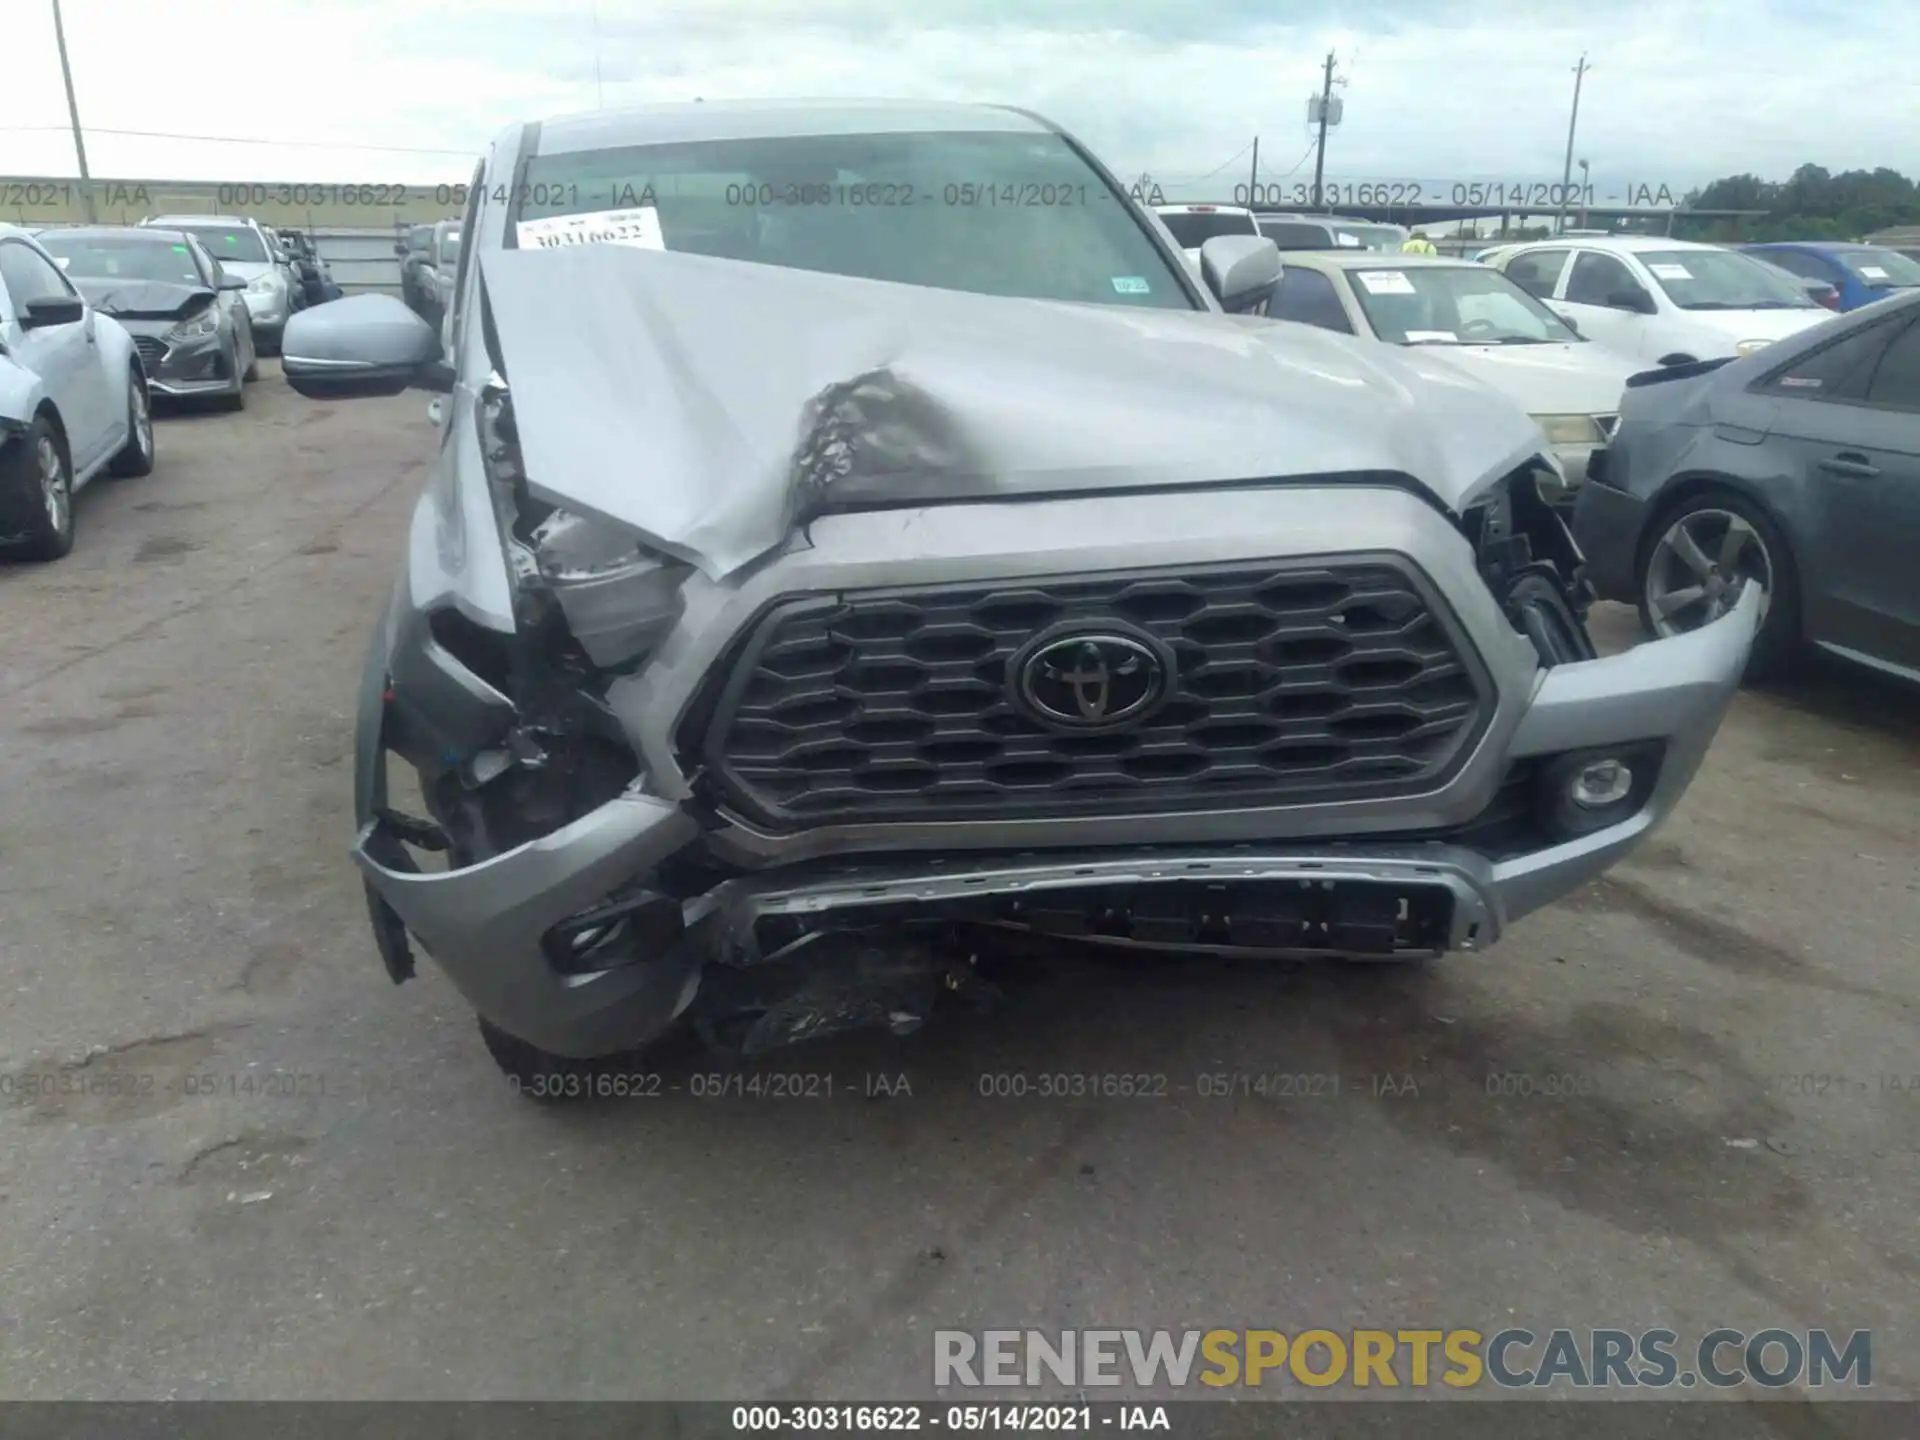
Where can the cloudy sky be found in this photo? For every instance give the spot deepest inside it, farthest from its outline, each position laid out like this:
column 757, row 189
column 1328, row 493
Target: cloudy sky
column 407, row 90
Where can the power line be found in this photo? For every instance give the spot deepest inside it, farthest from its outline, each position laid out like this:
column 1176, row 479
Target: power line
column 242, row 140
column 1228, row 161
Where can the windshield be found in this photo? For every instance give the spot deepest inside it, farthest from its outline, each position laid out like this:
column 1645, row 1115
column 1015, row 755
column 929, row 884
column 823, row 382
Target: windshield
column 995, row 214
column 235, row 243
column 1192, row 229
column 124, row 257
column 1454, row 305
column 1723, row 280
column 1880, row 269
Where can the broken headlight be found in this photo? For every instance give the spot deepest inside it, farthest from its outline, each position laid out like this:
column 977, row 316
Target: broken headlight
column 618, row 598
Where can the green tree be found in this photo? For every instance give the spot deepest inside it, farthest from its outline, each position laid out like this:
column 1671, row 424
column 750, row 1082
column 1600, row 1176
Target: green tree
column 1811, row 204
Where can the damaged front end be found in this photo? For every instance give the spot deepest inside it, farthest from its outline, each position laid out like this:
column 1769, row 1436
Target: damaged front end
column 747, row 739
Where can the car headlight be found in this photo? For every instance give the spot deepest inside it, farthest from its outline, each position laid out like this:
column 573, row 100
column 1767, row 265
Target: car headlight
column 1570, row 429
column 1747, row 347
column 196, row 327
column 265, row 284
column 619, row 599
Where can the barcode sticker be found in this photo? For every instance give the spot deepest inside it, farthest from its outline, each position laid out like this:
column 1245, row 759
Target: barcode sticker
column 638, row 227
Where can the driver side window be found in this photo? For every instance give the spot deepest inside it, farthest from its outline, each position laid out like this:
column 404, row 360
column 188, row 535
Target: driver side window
column 1599, row 279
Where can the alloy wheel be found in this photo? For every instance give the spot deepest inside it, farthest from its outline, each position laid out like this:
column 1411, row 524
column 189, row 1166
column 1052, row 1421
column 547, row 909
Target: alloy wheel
column 142, row 421
column 1699, row 568
column 55, row 490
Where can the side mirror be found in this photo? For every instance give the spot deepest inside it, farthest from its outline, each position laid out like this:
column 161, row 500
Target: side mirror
column 1638, row 301
column 231, row 282
column 1242, row 271
column 54, row 310
column 361, row 345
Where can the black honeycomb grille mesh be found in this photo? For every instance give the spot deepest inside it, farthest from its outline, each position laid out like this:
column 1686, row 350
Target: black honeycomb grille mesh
column 1293, row 685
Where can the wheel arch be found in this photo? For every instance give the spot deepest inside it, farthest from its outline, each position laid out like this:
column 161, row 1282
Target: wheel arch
column 1692, row 484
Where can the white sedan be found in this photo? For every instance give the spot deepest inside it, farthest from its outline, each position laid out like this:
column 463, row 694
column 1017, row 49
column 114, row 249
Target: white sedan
column 73, row 400
column 1659, row 300
column 1486, row 324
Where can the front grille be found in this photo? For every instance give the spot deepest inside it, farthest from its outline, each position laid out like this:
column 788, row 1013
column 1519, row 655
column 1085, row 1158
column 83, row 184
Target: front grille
column 1290, row 684
column 152, row 351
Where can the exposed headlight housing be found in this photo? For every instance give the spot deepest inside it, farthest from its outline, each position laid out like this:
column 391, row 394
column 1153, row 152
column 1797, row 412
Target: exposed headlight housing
column 618, row 599
column 1747, row 347
column 1570, row 429
column 265, row 284
column 196, row 327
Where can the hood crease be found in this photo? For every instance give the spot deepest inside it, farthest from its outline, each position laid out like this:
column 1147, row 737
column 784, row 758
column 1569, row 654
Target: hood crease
column 710, row 407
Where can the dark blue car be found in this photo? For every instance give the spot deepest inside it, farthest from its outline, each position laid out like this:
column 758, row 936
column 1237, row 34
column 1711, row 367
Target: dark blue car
column 1861, row 273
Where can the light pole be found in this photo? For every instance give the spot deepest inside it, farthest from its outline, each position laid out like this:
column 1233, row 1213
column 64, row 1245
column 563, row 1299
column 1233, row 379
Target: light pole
column 73, row 113
column 1566, row 172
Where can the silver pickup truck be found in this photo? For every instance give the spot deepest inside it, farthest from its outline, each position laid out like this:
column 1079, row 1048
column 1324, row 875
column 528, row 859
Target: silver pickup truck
column 856, row 531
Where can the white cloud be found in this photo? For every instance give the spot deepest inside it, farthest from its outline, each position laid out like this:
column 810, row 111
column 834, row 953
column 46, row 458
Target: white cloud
column 1680, row 92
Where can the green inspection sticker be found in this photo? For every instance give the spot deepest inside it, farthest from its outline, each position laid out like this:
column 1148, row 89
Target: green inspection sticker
column 1130, row 284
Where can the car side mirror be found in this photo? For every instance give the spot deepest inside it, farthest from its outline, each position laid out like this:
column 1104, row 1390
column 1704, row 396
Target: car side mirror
column 1242, row 271
column 230, row 282
column 1638, row 301
column 52, row 310
column 362, row 345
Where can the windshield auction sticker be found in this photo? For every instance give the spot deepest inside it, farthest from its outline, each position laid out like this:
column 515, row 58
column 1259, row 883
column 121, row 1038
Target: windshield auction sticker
column 1385, row 282
column 639, row 227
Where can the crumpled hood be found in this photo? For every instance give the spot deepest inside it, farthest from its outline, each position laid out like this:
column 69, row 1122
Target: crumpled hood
column 141, row 299
column 711, row 405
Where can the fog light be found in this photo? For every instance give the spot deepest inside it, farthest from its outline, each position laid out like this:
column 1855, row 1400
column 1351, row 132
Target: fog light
column 1603, row 783
column 1582, row 791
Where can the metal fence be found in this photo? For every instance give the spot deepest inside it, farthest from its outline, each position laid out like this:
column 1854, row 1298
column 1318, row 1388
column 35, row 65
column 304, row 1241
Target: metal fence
column 361, row 261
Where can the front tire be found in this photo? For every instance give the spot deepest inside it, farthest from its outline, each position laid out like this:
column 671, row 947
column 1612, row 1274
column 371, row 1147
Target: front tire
column 38, row 479
column 136, row 456
column 1696, row 559
column 535, row 1073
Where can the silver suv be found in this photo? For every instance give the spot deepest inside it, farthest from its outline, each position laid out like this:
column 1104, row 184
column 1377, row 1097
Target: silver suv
column 771, row 632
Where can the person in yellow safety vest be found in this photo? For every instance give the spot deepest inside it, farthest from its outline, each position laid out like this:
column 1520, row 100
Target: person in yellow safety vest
column 1417, row 244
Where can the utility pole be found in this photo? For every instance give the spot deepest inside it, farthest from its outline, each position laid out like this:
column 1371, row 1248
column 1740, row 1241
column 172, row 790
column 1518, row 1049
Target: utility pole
column 1320, row 146
column 73, row 113
column 1566, row 171
column 1253, row 179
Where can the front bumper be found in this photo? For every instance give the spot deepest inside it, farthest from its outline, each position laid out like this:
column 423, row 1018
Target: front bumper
column 195, row 367
column 488, row 925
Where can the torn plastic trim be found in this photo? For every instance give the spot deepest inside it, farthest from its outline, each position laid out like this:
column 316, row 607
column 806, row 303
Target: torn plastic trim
column 741, row 904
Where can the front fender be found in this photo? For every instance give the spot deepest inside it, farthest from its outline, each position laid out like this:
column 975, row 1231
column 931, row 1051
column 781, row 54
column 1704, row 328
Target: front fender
column 116, row 347
column 21, row 392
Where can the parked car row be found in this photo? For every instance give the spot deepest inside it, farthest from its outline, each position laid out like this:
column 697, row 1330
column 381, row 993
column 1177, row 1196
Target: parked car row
column 74, row 400
column 98, row 321
column 1193, row 225
column 1732, row 428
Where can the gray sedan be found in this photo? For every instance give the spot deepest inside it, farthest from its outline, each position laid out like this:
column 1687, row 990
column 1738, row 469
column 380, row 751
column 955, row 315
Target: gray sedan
column 1797, row 467
column 184, row 311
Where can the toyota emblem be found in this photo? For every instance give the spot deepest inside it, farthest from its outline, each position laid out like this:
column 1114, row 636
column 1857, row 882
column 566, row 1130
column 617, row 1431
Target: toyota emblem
column 1092, row 680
